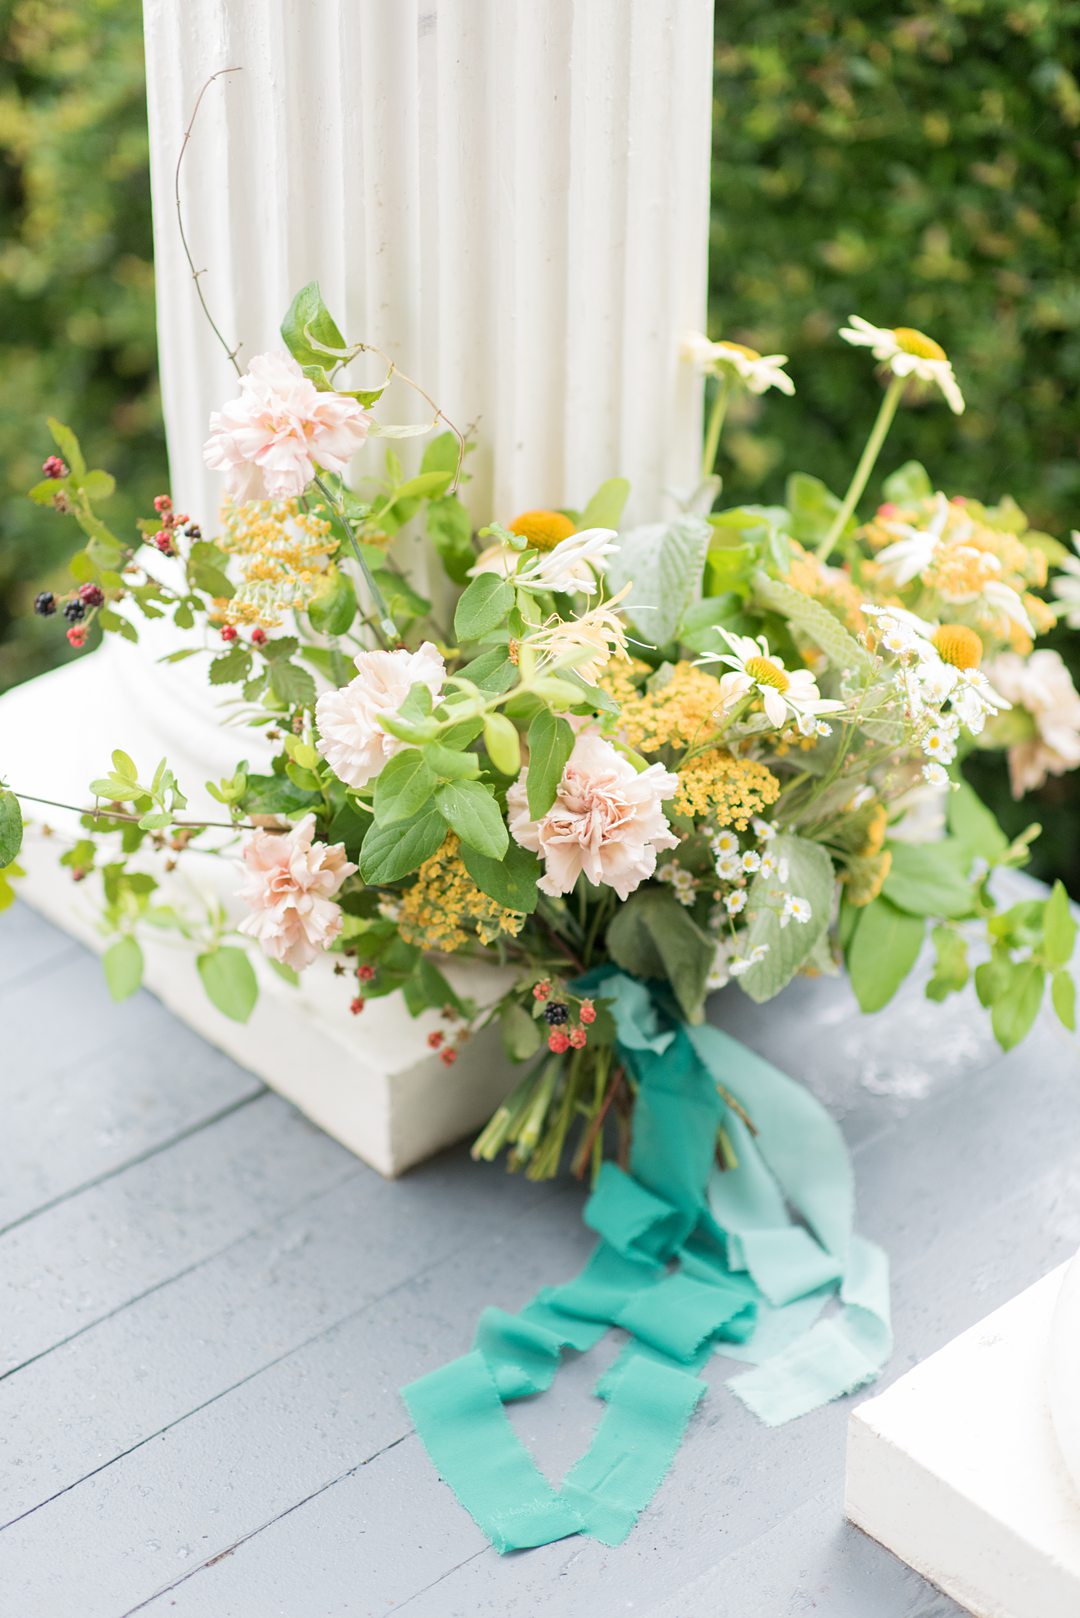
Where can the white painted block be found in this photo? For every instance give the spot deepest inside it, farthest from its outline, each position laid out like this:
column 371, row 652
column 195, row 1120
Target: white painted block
column 956, row 1469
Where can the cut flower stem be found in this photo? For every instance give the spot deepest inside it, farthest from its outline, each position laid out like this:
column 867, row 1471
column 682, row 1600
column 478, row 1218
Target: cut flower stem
column 867, row 462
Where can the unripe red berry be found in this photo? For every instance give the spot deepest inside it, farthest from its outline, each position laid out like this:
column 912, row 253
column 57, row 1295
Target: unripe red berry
column 163, row 541
column 558, row 1042
column 887, row 510
column 77, row 635
column 542, row 990
column 356, row 1006
column 258, row 637
column 365, row 972
column 435, row 1038
column 449, row 1057
column 162, row 503
column 53, row 467
column 91, row 595
column 228, row 632
column 587, row 1012
column 578, row 1036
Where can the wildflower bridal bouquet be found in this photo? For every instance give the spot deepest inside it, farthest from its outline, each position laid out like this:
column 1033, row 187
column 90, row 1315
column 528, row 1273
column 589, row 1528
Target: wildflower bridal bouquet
column 627, row 764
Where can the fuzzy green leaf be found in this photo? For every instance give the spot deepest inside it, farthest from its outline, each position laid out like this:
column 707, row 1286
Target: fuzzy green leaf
column 810, row 877
column 663, row 564
column 816, row 621
column 654, row 936
column 229, row 980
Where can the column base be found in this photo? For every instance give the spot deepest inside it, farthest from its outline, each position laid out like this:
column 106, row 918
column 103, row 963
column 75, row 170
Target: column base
column 957, row 1471
column 372, row 1082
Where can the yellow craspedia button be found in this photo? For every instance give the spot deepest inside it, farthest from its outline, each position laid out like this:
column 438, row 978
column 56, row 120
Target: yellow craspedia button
column 542, row 529
column 958, row 645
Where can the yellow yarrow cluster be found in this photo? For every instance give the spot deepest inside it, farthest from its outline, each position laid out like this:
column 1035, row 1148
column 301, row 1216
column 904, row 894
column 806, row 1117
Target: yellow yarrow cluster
column 444, row 907
column 673, row 713
column 282, row 553
column 728, row 790
column 829, row 585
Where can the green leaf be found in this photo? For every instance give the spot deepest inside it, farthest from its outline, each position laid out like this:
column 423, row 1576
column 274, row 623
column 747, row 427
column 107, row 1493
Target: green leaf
column 11, row 827
column 68, row 445
column 123, row 963
column 816, row 621
column 511, row 881
column 404, row 786
column 491, row 671
column 449, row 764
column 471, row 810
column 606, row 507
column 391, row 852
column 972, row 824
column 287, row 973
column 450, row 531
column 881, row 952
column 1059, row 928
column 292, row 685
column 951, row 963
column 810, row 877
column 1014, row 1011
column 654, row 936
column 425, row 485
column 521, row 1034
column 229, row 980
column 551, row 741
column 909, row 483
column 503, row 743
column 1063, row 999
column 309, row 330
column 812, row 507
column 663, row 564
column 441, row 455
column 98, row 485
column 275, row 795
column 483, row 607
column 332, row 611
column 928, row 879
column 231, row 667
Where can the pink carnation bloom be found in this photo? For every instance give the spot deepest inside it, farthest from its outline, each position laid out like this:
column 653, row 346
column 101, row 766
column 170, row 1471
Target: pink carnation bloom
column 269, row 439
column 606, row 822
column 351, row 738
column 1042, row 684
column 289, row 885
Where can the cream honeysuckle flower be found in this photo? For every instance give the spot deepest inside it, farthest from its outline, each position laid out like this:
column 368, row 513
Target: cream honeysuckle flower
column 908, row 352
column 757, row 372
column 785, row 693
column 1065, row 586
column 572, row 566
column 586, row 644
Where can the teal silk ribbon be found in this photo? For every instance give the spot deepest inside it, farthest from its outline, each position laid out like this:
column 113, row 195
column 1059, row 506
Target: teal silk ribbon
column 689, row 1259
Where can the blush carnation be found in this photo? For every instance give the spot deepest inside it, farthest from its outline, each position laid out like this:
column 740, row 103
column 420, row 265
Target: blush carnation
column 1043, row 686
column 606, row 823
column 269, row 439
column 351, row 738
column 289, row 886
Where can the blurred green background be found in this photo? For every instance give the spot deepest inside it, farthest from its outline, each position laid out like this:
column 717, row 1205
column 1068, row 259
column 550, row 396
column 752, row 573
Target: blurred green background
column 914, row 163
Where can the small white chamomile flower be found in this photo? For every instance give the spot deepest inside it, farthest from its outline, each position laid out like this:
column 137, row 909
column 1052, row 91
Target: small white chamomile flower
column 735, row 902
column 761, row 829
column 795, row 909
column 935, row 775
column 743, row 963
column 728, row 867
column 750, row 861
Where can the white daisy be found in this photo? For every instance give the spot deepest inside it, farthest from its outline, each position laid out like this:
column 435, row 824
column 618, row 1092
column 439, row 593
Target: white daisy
column 762, row 829
column 757, row 372
column 785, row 693
column 750, row 862
column 935, row 775
column 940, row 745
column 725, row 842
column 728, row 867
column 911, row 553
column 908, row 352
column 735, row 902
column 743, row 963
column 769, row 865
column 795, row 909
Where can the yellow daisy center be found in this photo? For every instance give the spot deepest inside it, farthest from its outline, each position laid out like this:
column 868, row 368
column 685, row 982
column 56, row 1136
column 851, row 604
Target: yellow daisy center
column 958, row 645
column 763, row 672
column 543, row 529
column 917, row 343
column 741, row 348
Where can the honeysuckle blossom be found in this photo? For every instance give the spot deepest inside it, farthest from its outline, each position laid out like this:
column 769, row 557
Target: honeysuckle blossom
column 351, row 738
column 569, row 568
column 908, row 352
column 269, row 439
column 289, row 886
column 757, row 372
column 1042, row 686
column 586, row 644
column 785, row 693
column 607, row 822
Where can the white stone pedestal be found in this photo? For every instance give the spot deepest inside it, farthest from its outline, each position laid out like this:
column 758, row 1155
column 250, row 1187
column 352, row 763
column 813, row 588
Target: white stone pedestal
column 956, row 1468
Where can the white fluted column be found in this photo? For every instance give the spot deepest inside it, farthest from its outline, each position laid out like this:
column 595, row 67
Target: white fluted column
column 511, row 197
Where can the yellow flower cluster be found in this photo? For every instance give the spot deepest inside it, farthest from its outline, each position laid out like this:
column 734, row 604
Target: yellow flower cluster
column 674, row 713
column 282, row 551
column 726, row 789
column 444, row 907
column 829, row 585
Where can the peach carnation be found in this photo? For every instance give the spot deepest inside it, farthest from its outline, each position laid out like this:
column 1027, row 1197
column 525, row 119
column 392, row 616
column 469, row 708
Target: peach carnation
column 269, row 439
column 1042, row 685
column 351, row 737
column 606, row 822
column 289, row 885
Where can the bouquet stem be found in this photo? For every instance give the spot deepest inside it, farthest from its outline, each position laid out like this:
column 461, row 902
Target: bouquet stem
column 867, row 461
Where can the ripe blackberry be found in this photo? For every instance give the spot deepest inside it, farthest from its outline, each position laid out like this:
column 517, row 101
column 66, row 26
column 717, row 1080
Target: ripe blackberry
column 92, row 595
column 193, row 531
column 45, row 604
column 556, row 1013
column 74, row 611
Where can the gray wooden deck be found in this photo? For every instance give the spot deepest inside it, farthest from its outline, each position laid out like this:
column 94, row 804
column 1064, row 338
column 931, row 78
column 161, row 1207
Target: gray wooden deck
column 207, row 1308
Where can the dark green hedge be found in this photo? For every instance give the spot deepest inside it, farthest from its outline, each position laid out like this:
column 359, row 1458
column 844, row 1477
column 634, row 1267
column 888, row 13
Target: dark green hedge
column 916, row 164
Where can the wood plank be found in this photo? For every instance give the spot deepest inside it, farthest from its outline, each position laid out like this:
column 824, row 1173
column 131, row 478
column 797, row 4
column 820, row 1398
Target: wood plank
column 104, row 1247
column 29, row 947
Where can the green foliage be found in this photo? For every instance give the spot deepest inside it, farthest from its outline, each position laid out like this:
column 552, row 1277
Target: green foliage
column 123, row 966
column 654, row 936
column 229, row 980
column 788, row 947
column 77, row 335
column 551, row 741
column 663, row 564
column 11, row 828
column 881, row 951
